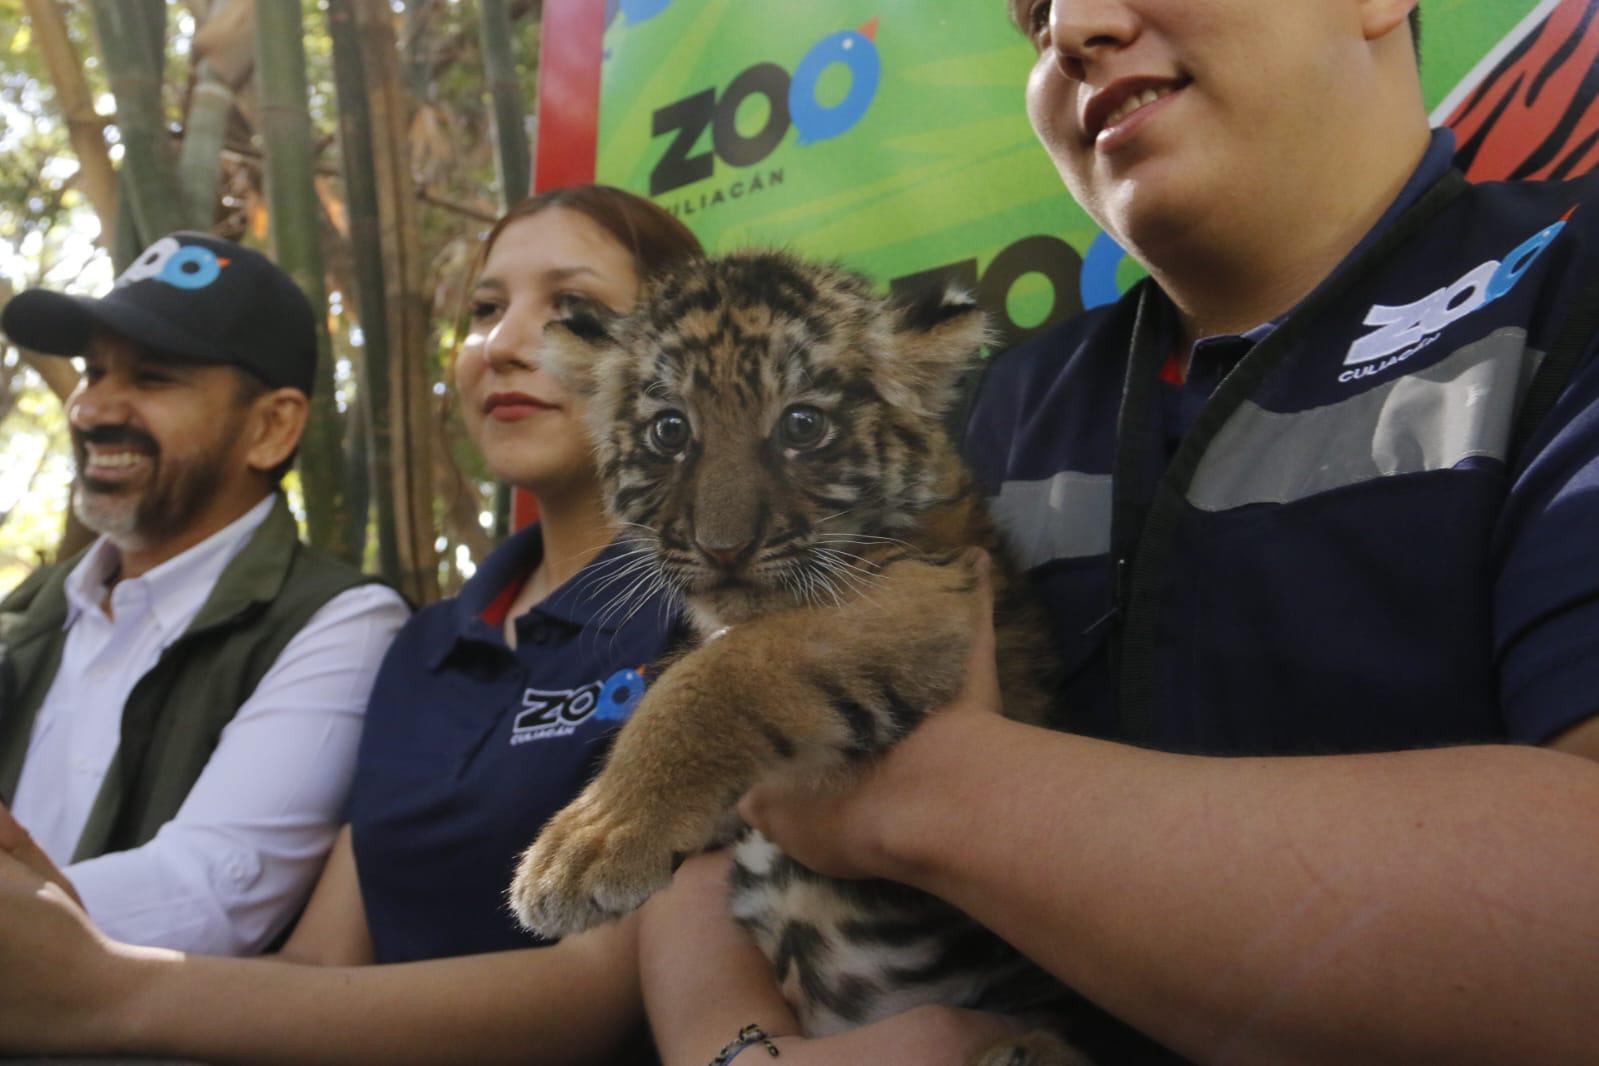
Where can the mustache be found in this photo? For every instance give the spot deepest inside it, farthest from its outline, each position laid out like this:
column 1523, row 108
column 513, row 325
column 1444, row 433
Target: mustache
column 104, row 435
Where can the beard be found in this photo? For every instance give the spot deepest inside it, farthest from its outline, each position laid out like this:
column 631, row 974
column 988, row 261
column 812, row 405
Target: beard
column 162, row 505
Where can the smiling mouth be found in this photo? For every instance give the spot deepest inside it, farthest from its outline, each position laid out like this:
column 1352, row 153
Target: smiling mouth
column 1101, row 126
column 1136, row 102
column 511, row 407
column 102, row 467
column 117, row 461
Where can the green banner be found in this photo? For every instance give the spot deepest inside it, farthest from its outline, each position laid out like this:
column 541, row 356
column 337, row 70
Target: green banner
column 891, row 135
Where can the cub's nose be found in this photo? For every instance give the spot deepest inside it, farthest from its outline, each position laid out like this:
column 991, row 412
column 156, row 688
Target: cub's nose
column 725, row 555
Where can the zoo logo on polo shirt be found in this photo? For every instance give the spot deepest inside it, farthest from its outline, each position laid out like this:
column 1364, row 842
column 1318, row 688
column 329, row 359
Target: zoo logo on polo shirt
column 1406, row 329
column 547, row 714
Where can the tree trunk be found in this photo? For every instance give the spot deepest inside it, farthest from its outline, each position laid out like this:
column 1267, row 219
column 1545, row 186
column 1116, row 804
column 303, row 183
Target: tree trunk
column 286, row 131
column 199, row 161
column 224, row 56
column 125, row 246
column 499, row 68
column 86, row 129
column 225, row 38
column 134, row 69
column 205, row 127
column 510, row 151
column 357, row 440
column 366, row 244
column 410, row 420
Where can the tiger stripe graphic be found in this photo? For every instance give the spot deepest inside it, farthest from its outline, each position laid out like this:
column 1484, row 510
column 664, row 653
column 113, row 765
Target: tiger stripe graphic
column 1534, row 113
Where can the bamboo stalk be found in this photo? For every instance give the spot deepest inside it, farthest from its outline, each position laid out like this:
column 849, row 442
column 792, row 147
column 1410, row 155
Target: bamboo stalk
column 125, row 244
column 226, row 31
column 510, row 149
column 85, row 128
column 407, row 309
column 135, row 73
column 505, row 94
column 199, row 161
column 225, row 38
column 366, row 245
column 285, row 125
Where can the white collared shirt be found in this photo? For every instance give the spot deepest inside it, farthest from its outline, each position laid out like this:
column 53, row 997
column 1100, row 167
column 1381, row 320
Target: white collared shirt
column 230, row 870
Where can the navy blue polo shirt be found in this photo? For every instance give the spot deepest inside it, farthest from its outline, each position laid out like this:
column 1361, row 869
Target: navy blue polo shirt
column 1213, row 358
column 1360, row 556
column 470, row 746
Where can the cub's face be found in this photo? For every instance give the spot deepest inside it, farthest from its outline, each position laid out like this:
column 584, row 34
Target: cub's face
column 766, row 424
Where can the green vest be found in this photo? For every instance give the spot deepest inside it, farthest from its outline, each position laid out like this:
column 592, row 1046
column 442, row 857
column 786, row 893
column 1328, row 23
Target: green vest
column 176, row 712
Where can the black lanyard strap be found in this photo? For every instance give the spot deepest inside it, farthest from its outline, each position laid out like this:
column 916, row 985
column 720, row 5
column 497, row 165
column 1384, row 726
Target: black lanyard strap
column 1143, row 534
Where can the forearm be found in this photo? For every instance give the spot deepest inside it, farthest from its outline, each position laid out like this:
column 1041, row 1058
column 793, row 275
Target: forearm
column 332, row 930
column 703, row 977
column 1405, row 907
column 704, row 980
column 574, row 1003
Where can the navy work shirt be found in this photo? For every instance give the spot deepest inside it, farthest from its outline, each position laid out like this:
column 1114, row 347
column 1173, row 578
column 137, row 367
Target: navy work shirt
column 1355, row 555
column 470, row 746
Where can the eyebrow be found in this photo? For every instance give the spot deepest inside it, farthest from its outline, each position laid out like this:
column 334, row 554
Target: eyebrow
column 173, row 365
column 563, row 273
column 555, row 275
column 152, row 360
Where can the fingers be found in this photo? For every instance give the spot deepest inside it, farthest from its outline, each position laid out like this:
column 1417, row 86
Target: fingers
column 753, row 807
column 12, row 835
column 13, row 871
column 981, row 688
column 768, row 809
column 983, row 631
column 17, row 844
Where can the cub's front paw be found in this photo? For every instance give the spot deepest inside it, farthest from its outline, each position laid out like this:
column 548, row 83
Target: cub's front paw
column 590, row 865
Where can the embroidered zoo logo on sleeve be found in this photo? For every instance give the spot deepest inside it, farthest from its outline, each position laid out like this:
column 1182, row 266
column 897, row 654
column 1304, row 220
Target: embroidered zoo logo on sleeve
column 1405, row 329
column 550, row 713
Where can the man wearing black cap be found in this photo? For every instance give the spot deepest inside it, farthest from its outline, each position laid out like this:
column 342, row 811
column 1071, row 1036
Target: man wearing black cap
column 180, row 705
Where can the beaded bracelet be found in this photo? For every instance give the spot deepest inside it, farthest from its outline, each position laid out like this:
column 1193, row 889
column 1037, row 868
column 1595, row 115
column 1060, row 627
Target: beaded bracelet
column 747, row 1037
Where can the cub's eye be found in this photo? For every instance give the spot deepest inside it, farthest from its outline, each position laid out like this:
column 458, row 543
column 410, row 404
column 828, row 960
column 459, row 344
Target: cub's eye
column 801, row 426
column 669, row 432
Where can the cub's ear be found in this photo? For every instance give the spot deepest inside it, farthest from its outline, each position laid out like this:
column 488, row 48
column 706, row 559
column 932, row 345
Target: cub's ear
column 937, row 335
column 575, row 340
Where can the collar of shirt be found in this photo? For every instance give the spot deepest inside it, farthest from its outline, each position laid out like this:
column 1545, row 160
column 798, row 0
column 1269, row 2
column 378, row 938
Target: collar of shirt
column 1212, row 357
column 581, row 603
column 173, row 592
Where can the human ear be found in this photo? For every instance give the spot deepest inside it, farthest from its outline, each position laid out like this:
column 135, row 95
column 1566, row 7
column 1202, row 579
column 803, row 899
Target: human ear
column 278, row 421
column 1378, row 18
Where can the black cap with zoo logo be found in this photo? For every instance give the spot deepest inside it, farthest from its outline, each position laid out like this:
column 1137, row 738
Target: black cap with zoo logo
column 190, row 297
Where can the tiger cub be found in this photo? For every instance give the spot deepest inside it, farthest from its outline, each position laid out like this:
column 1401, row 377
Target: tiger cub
column 770, row 431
